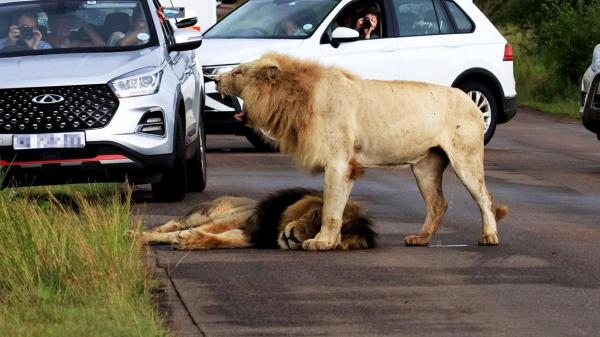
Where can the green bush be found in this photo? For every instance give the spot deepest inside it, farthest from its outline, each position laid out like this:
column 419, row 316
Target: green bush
column 567, row 38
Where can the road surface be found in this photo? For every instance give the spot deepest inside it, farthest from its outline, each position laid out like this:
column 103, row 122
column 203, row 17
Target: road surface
column 543, row 280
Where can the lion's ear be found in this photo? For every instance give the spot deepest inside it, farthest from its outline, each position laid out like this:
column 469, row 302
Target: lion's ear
column 268, row 73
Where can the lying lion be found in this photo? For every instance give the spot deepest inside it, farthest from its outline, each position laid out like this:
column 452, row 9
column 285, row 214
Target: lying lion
column 330, row 120
column 285, row 219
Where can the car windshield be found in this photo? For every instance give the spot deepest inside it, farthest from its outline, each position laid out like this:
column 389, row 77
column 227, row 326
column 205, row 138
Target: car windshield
column 71, row 26
column 273, row 19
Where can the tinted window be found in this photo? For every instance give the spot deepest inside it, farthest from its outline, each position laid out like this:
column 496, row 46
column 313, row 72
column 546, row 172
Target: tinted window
column 463, row 23
column 417, row 17
column 50, row 26
column 261, row 19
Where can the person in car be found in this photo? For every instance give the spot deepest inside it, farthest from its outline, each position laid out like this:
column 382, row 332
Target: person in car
column 137, row 35
column 62, row 27
column 30, row 37
column 369, row 30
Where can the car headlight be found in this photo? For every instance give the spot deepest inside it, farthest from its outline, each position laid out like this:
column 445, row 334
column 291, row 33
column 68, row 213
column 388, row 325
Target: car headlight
column 596, row 59
column 212, row 72
column 138, row 83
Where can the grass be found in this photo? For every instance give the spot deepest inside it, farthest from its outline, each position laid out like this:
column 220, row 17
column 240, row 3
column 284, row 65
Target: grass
column 537, row 85
column 68, row 267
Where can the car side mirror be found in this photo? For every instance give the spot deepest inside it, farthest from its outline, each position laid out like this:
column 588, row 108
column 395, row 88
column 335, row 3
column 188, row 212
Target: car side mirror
column 343, row 34
column 185, row 39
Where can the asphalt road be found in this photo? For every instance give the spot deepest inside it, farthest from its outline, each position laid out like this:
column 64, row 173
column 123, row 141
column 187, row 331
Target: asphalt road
column 543, row 280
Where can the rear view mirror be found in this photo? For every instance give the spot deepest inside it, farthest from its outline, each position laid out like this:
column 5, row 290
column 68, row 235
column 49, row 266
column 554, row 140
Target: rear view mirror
column 190, row 19
column 173, row 12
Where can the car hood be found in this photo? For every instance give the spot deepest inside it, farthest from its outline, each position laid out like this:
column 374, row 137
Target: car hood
column 233, row 51
column 74, row 69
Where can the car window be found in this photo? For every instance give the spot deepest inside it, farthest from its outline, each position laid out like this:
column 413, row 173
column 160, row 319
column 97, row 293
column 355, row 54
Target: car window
column 462, row 21
column 350, row 15
column 263, row 19
column 442, row 17
column 419, row 17
column 56, row 26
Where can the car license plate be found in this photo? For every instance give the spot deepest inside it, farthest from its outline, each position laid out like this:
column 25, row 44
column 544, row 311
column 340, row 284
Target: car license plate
column 62, row 140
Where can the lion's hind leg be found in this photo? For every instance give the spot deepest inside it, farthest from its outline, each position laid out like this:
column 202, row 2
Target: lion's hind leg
column 468, row 165
column 429, row 172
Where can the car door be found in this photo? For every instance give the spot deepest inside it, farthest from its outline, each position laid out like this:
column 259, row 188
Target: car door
column 369, row 58
column 184, row 66
column 428, row 49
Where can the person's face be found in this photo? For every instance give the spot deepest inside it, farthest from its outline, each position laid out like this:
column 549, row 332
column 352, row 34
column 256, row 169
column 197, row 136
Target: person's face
column 27, row 21
column 62, row 27
column 139, row 22
column 373, row 19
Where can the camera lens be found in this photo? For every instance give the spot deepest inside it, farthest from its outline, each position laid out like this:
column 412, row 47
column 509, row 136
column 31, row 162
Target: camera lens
column 26, row 32
column 366, row 22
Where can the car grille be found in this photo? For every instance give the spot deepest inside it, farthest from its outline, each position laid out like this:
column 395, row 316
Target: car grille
column 50, row 109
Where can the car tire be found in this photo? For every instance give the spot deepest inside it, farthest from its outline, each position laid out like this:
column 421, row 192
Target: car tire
column 485, row 101
column 196, row 166
column 173, row 184
column 259, row 141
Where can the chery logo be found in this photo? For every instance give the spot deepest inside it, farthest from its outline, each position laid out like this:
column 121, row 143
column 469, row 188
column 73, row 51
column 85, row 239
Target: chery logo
column 48, row 99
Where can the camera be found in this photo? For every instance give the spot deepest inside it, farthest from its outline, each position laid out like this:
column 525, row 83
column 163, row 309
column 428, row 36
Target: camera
column 26, row 32
column 366, row 22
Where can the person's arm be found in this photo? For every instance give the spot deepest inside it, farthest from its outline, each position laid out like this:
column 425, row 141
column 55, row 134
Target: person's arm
column 94, row 36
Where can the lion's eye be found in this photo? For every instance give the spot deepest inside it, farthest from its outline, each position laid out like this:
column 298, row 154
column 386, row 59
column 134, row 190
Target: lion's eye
column 236, row 72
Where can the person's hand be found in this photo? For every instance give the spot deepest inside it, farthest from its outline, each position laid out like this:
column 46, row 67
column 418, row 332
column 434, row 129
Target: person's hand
column 359, row 23
column 373, row 24
column 34, row 42
column 14, row 34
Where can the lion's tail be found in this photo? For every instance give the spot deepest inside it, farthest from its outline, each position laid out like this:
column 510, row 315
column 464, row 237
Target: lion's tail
column 500, row 212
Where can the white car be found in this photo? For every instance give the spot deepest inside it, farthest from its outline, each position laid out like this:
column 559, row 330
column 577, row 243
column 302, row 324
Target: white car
column 439, row 41
column 590, row 103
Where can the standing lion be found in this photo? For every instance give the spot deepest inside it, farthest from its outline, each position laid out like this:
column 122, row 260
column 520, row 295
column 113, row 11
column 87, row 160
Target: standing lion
column 329, row 120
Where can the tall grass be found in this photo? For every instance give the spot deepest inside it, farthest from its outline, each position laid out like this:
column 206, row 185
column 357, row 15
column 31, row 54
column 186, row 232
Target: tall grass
column 67, row 267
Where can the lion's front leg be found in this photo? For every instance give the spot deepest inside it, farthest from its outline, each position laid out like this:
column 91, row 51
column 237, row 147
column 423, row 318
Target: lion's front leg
column 335, row 195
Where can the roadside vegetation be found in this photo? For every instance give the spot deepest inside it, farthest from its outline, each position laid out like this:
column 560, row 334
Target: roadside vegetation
column 67, row 266
column 553, row 42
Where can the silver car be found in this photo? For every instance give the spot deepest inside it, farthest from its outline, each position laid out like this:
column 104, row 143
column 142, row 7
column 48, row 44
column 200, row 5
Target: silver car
column 100, row 90
column 590, row 95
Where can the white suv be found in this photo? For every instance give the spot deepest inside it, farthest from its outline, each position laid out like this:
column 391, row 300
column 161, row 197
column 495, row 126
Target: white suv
column 439, row 41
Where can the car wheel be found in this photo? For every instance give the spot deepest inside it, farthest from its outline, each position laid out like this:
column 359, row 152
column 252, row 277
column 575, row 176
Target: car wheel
column 196, row 166
column 173, row 184
column 260, row 141
column 485, row 101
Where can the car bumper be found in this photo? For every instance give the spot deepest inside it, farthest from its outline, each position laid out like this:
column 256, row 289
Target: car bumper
column 118, row 150
column 590, row 115
column 510, row 109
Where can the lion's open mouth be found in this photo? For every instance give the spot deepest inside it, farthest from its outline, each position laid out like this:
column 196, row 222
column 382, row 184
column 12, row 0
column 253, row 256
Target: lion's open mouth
column 241, row 116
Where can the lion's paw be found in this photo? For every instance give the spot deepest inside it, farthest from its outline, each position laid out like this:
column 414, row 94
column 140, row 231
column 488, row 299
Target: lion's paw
column 489, row 240
column 417, row 240
column 315, row 245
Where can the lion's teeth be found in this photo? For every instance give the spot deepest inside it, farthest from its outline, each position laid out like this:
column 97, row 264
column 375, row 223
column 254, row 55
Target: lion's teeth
column 222, row 96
